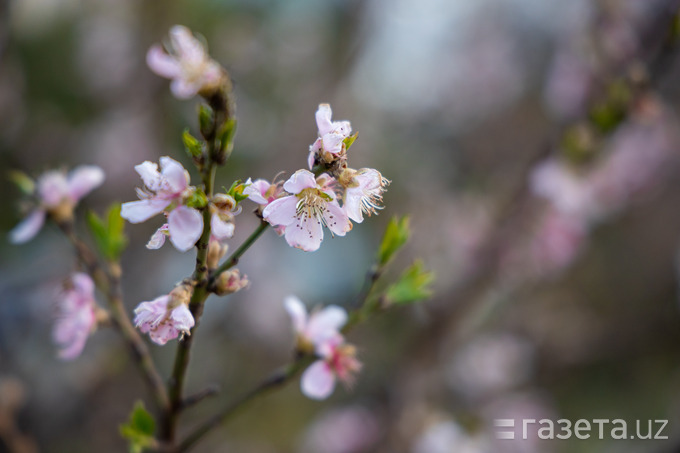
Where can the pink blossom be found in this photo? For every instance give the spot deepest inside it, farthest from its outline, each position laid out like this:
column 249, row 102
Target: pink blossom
column 312, row 330
column 76, row 316
column 262, row 192
column 364, row 194
column 312, row 205
column 188, row 64
column 57, row 195
column 338, row 362
column 166, row 191
column 569, row 192
column 331, row 134
column 162, row 321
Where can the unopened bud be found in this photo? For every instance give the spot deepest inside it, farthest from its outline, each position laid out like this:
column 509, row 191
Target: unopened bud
column 181, row 294
column 230, row 281
column 224, row 202
column 216, row 250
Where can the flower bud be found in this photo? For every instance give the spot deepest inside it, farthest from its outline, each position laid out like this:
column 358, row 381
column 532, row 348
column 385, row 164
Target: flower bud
column 224, row 202
column 216, row 250
column 230, row 281
column 180, row 295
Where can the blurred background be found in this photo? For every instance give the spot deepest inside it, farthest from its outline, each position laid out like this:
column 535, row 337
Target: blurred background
column 534, row 143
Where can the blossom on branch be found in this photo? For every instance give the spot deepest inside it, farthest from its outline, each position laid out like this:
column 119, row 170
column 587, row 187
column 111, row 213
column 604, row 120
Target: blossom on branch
column 188, row 65
column 311, row 206
column 166, row 192
column 330, row 144
column 363, row 192
column 166, row 317
column 312, row 330
column 76, row 317
column 57, row 195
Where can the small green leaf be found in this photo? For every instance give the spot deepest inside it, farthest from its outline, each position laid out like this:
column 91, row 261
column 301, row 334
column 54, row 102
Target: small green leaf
column 193, row 145
column 109, row 236
column 226, row 136
column 22, row 181
column 205, row 120
column 236, row 191
column 350, row 140
column 412, row 286
column 139, row 429
column 396, row 235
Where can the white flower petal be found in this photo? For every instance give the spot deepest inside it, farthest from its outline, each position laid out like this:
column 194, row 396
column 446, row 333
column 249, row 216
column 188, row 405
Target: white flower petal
column 297, row 311
column 336, row 219
column 220, row 229
column 83, row 180
column 305, row 233
column 174, row 173
column 281, row 211
column 318, row 381
column 325, row 324
column 27, row 228
column 323, row 119
column 142, row 210
column 185, row 226
column 183, row 89
column 256, row 190
column 162, row 64
column 301, row 179
column 158, row 238
column 148, row 171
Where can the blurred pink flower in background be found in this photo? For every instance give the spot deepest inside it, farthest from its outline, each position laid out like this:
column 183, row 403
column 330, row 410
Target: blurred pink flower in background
column 57, row 194
column 351, row 429
column 76, row 318
column 162, row 321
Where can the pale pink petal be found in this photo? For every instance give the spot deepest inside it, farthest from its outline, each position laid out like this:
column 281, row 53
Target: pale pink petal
column 185, row 226
column 158, row 238
column 148, row 171
column 83, row 285
column 306, row 233
column 325, row 323
column 343, row 128
column 149, row 314
column 163, row 333
column 52, row 188
column 188, row 48
column 311, row 157
column 297, row 311
column 175, row 174
column 183, row 89
column 281, row 211
column 300, row 180
column 256, row 190
column 352, row 204
column 182, row 319
column 313, row 151
column 326, row 346
column 333, row 143
column 220, row 229
column 336, row 219
column 142, row 210
column 323, row 119
column 83, row 180
column 27, row 228
column 318, row 381
column 162, row 64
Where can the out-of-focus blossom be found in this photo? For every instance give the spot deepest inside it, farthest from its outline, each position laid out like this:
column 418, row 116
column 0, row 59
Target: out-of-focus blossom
column 352, row 429
column 57, row 196
column 76, row 318
column 165, row 317
column 188, row 65
column 311, row 206
column 331, row 136
column 166, row 191
column 311, row 330
column 363, row 193
column 490, row 365
column 567, row 191
column 568, row 84
column 445, row 437
column 338, row 362
column 557, row 241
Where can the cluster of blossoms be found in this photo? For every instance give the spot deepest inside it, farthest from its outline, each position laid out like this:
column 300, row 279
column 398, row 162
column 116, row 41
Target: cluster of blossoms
column 319, row 333
column 328, row 194
column 310, row 198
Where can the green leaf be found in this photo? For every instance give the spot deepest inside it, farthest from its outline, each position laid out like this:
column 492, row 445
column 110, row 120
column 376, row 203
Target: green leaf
column 205, row 120
column 350, row 140
column 193, row 145
column 109, row 236
column 396, row 235
column 226, row 136
column 22, row 181
column 412, row 286
column 236, row 191
column 139, row 429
